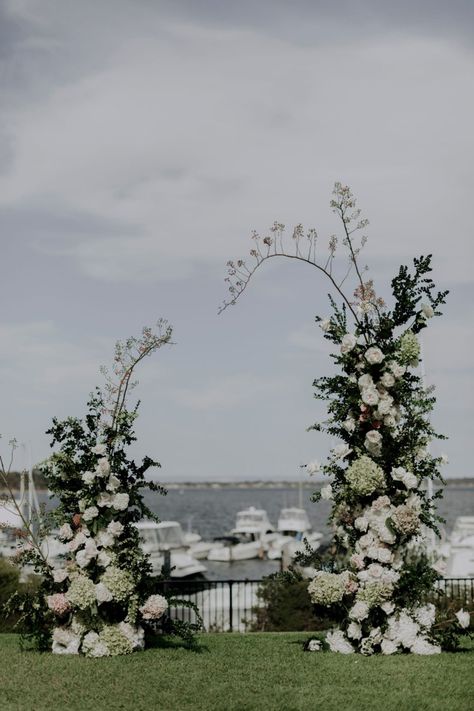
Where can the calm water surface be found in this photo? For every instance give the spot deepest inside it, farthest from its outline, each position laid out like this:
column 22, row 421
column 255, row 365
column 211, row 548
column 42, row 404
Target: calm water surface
column 211, row 512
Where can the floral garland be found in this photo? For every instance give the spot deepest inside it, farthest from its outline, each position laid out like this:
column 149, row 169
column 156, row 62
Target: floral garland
column 98, row 599
column 379, row 408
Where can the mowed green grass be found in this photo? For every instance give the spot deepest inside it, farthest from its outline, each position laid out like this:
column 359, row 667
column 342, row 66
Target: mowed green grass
column 235, row 672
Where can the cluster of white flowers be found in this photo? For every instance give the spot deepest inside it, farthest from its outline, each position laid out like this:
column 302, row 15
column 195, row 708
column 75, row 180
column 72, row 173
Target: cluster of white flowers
column 91, row 577
column 381, row 521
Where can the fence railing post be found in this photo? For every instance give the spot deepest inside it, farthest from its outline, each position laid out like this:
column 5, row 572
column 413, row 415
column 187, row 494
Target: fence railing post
column 231, row 607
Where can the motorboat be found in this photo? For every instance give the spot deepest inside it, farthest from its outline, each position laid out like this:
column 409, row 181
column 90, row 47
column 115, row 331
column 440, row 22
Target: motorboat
column 198, row 548
column 159, row 539
column 250, row 537
column 294, row 528
column 459, row 549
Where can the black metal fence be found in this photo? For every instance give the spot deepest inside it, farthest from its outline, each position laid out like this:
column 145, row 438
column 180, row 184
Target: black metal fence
column 231, row 605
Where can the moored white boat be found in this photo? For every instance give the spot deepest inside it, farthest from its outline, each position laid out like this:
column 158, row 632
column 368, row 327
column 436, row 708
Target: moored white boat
column 293, row 528
column 250, row 537
column 167, row 536
column 459, row 549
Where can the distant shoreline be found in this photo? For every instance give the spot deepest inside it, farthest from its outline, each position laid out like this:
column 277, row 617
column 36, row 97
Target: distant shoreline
column 467, row 483
column 451, row 483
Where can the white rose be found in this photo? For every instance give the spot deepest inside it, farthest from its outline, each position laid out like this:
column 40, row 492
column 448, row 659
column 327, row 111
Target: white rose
column 410, row 481
column 79, row 540
column 407, row 478
column 115, row 528
column 103, row 467
column 341, row 451
column 414, row 502
column 373, row 442
column 325, row 325
column 385, row 405
column 65, row 533
column 375, row 571
column 389, row 421
column 99, row 449
column 384, row 555
column 113, row 483
column 120, row 502
column 105, row 539
column 388, row 607
column 105, row 499
column 90, row 513
column 365, row 381
column 425, row 615
column 338, row 643
column 349, row 424
column 422, row 646
column 374, row 355
column 427, row 310
column 361, row 523
column 313, row 467
column 359, row 611
column 357, row 561
column 463, row 618
column 370, row 396
column 84, row 556
column 326, row 492
column 348, row 343
column 397, row 369
column 354, row 631
column 88, row 477
column 135, row 635
column 102, row 593
column 387, row 380
column 104, row 559
column 65, row 642
column 314, row 645
column 60, row 575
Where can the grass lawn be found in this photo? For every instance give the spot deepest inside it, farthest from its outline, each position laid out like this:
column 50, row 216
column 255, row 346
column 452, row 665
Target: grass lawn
column 235, row 672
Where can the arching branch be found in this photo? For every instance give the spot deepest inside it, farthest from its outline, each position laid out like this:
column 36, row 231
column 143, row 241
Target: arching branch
column 343, row 204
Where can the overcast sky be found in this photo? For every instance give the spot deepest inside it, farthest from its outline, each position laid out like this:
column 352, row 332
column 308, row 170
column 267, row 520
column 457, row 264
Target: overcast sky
column 140, row 143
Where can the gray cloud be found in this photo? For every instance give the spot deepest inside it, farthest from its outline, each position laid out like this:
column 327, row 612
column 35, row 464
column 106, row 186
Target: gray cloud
column 142, row 141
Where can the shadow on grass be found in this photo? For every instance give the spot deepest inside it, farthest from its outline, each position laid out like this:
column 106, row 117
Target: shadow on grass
column 161, row 641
